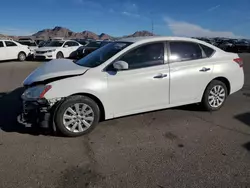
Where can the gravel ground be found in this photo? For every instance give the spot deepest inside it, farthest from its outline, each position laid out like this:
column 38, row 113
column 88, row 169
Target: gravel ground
column 178, row 147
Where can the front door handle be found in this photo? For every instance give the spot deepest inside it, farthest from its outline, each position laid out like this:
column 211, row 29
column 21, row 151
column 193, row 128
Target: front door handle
column 204, row 69
column 160, row 76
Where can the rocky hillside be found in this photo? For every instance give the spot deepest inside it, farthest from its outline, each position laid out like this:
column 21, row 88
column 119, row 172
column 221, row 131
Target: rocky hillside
column 66, row 33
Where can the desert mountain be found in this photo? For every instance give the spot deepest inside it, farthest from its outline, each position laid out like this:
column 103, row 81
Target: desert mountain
column 66, row 33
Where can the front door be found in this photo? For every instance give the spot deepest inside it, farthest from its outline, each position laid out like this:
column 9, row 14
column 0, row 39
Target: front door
column 144, row 86
column 190, row 72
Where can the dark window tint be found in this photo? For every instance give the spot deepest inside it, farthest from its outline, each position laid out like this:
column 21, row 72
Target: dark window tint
column 1, row 44
column 145, row 56
column 207, row 50
column 184, row 51
column 94, row 44
column 72, row 43
column 9, row 43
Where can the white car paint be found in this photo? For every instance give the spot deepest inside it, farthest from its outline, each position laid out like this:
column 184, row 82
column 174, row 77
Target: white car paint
column 135, row 91
column 11, row 52
column 50, row 52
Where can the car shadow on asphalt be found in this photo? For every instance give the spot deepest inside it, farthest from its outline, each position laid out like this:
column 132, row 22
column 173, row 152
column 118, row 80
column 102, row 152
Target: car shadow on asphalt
column 244, row 118
column 10, row 108
column 247, row 146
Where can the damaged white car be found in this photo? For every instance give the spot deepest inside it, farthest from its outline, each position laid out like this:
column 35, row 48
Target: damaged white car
column 126, row 77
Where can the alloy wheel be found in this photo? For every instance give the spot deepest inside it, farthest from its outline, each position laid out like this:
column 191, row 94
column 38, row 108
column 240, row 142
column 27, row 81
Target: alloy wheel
column 78, row 117
column 217, row 96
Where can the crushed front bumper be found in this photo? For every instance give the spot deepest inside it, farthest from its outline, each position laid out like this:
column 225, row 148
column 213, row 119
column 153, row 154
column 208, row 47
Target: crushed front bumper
column 35, row 113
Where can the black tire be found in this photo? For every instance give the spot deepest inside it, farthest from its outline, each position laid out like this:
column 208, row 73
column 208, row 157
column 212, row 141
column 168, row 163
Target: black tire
column 69, row 102
column 21, row 56
column 205, row 99
column 59, row 55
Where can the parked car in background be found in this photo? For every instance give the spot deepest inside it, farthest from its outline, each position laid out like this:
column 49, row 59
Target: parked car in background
column 10, row 49
column 236, row 46
column 85, row 50
column 130, row 76
column 57, row 49
column 31, row 44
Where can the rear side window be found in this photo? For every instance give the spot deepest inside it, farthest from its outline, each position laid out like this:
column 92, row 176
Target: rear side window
column 184, row 51
column 9, row 43
column 207, row 50
column 1, row 44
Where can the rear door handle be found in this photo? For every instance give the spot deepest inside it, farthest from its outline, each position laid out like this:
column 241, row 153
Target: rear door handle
column 160, row 76
column 204, row 69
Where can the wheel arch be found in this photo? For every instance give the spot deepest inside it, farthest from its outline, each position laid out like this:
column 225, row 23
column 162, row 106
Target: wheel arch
column 22, row 52
column 98, row 102
column 222, row 79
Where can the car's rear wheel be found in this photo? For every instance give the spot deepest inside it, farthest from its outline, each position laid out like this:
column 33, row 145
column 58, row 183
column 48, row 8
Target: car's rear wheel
column 215, row 95
column 77, row 116
column 59, row 55
column 21, row 56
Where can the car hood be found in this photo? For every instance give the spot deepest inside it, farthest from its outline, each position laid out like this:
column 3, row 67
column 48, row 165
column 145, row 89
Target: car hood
column 54, row 69
column 42, row 49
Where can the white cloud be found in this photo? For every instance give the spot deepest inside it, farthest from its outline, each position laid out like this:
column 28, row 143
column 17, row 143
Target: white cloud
column 213, row 8
column 182, row 28
column 15, row 32
column 130, row 14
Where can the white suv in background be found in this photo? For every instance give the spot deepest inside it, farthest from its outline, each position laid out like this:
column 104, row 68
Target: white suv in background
column 57, row 49
column 13, row 50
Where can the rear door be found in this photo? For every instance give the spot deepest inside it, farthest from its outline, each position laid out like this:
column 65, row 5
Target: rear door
column 12, row 50
column 3, row 52
column 190, row 71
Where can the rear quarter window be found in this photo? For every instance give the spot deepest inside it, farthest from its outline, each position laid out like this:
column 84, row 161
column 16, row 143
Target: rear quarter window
column 207, row 50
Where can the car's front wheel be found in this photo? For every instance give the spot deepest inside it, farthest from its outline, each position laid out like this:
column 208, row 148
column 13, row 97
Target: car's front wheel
column 77, row 116
column 59, row 55
column 215, row 95
column 21, row 56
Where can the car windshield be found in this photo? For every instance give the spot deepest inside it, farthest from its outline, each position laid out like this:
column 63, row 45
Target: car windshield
column 28, row 43
column 94, row 44
column 101, row 55
column 55, row 43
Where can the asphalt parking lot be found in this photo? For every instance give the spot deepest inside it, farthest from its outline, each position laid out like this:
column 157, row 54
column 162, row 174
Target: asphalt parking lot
column 178, row 147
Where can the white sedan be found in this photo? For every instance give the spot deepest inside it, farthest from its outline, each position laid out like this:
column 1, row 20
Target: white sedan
column 130, row 76
column 57, row 49
column 13, row 50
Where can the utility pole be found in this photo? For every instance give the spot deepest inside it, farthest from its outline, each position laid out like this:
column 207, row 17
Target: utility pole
column 152, row 26
column 152, row 22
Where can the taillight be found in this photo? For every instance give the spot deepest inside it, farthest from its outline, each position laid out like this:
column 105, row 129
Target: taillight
column 46, row 89
column 239, row 61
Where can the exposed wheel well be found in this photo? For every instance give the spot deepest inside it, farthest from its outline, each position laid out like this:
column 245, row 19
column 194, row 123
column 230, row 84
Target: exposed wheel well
column 98, row 102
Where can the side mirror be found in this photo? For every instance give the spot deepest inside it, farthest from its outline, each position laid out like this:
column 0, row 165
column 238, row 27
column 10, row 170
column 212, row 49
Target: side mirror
column 66, row 46
column 120, row 65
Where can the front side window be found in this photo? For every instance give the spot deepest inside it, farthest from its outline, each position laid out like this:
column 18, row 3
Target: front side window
column 10, row 44
column 1, row 44
column 184, row 51
column 101, row 55
column 145, row 56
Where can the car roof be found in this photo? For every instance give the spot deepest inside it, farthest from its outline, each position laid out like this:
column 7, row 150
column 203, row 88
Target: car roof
column 156, row 38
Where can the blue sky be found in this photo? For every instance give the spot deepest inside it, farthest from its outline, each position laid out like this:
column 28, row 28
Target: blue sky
column 229, row 18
